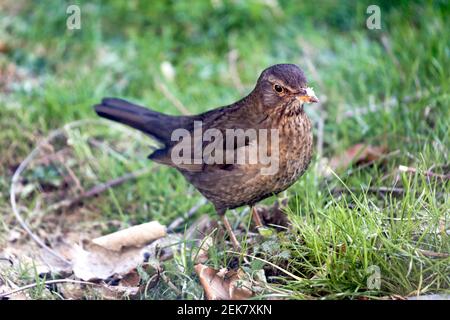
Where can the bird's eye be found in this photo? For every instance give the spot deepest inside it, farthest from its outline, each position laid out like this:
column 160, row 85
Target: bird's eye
column 278, row 88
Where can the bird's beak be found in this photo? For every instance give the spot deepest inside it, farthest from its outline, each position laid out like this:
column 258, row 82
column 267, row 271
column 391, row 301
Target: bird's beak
column 308, row 97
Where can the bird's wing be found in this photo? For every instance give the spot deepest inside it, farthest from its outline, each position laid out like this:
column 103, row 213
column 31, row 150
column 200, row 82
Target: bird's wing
column 222, row 132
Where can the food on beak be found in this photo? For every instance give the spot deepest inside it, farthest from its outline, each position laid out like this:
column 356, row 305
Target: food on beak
column 308, row 97
column 311, row 95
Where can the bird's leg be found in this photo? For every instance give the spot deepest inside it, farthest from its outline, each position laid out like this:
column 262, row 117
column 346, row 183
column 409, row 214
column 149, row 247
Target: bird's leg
column 256, row 218
column 226, row 223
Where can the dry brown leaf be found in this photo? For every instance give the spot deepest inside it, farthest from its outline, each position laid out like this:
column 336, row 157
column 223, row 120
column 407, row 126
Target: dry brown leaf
column 135, row 236
column 118, row 253
column 359, row 153
column 92, row 261
column 131, row 279
column 223, row 284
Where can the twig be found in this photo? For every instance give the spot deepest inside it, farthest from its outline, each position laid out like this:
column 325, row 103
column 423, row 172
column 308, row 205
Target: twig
column 369, row 163
column 174, row 100
column 100, row 188
column 393, row 190
column 426, row 173
column 178, row 221
column 433, row 254
column 170, row 284
column 2, row 295
column 399, row 191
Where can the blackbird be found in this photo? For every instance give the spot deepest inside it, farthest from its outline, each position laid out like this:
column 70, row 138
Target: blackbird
column 274, row 110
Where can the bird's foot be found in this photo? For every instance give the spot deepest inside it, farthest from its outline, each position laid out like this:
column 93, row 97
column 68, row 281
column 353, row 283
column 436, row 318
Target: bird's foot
column 256, row 218
column 234, row 241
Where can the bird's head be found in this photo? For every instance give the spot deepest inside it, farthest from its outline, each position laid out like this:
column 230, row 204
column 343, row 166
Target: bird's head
column 284, row 84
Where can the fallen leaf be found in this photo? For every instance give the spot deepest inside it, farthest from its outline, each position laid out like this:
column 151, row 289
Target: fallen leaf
column 135, row 236
column 223, row 284
column 93, row 262
column 131, row 279
column 358, row 154
column 118, row 253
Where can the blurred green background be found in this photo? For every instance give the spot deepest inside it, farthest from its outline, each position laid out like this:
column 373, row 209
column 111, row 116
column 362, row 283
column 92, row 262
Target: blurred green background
column 382, row 87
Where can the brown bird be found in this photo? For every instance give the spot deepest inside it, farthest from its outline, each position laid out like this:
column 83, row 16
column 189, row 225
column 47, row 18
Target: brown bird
column 226, row 176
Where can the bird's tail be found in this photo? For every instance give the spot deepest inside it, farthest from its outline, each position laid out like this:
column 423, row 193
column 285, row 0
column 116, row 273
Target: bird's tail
column 156, row 124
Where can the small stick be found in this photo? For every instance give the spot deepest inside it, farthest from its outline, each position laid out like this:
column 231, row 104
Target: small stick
column 2, row 295
column 433, row 254
column 373, row 190
column 394, row 190
column 100, row 188
column 427, row 173
column 170, row 284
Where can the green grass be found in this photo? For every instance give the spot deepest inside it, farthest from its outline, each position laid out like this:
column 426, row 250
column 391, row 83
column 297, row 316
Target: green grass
column 336, row 238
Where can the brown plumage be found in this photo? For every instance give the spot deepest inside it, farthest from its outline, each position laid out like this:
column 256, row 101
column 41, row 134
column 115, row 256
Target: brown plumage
column 275, row 103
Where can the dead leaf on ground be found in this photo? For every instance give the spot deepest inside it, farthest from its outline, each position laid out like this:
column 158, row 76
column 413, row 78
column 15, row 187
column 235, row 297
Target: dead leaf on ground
column 118, row 253
column 223, row 284
column 135, row 236
column 93, row 262
column 358, row 154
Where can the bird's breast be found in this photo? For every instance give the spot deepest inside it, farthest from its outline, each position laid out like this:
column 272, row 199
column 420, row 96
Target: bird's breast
column 295, row 148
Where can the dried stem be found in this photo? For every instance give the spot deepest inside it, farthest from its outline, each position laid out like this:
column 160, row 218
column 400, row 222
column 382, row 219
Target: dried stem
column 2, row 295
